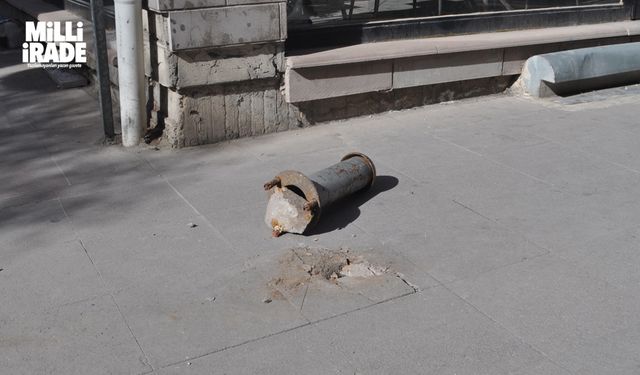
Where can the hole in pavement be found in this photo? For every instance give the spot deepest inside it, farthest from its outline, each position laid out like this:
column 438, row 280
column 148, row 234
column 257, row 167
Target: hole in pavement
column 303, row 265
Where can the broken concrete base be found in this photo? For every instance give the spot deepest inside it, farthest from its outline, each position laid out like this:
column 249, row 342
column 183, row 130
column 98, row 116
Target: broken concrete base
column 286, row 213
column 313, row 277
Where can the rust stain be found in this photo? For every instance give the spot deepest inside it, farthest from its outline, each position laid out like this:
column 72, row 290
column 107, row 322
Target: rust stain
column 278, row 229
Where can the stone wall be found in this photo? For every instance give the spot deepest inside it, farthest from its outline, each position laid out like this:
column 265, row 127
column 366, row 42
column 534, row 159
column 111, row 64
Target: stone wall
column 216, row 69
column 214, row 113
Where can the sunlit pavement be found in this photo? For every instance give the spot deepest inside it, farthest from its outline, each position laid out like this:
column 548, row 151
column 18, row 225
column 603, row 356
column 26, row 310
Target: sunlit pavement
column 508, row 229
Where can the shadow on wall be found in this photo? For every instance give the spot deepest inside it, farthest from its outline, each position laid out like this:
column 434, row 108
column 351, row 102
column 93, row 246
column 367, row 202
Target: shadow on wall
column 346, row 211
column 345, row 107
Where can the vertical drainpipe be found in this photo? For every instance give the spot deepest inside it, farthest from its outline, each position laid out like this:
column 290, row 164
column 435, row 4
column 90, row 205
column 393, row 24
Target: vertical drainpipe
column 130, row 69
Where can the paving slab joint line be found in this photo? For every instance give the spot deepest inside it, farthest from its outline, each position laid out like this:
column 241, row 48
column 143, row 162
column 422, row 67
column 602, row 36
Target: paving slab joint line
column 620, row 230
column 501, row 225
column 408, row 283
column 546, row 250
column 527, row 259
column 496, row 162
column 311, row 323
column 191, row 206
column 235, row 346
column 304, row 297
column 474, row 211
column 96, row 296
column 533, row 347
column 520, row 338
column 102, row 281
column 59, row 169
column 122, row 316
column 124, row 319
column 588, row 155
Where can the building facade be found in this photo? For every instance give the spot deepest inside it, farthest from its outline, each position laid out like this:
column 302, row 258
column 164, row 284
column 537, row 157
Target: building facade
column 224, row 69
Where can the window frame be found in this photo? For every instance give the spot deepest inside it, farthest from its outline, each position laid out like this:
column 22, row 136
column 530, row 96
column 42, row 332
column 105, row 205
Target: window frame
column 358, row 32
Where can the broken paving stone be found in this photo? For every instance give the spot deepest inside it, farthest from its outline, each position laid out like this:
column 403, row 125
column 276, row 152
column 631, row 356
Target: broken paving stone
column 304, row 265
column 362, row 270
column 320, row 274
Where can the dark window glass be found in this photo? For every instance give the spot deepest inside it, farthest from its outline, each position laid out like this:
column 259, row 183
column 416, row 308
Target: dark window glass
column 303, row 14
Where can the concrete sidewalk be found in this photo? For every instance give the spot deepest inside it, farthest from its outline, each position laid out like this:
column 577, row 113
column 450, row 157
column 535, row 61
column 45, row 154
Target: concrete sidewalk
column 507, row 231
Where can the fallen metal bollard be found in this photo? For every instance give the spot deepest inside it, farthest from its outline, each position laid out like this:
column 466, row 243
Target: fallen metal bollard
column 296, row 201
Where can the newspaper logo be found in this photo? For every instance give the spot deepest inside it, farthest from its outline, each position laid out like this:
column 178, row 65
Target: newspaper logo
column 47, row 46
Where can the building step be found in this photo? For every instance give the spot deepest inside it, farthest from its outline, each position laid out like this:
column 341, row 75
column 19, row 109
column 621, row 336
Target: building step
column 400, row 64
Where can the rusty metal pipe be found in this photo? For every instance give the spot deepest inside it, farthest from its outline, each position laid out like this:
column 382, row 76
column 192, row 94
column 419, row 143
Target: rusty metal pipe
column 296, row 201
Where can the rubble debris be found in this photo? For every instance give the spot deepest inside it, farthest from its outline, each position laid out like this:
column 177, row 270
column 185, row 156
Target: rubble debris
column 308, row 277
column 296, row 201
column 304, row 265
column 192, row 225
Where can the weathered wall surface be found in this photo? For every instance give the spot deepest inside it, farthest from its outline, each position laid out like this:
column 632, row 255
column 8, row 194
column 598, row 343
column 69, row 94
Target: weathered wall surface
column 216, row 68
column 215, row 113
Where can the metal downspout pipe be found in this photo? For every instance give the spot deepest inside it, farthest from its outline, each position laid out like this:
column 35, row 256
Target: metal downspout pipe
column 131, row 80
